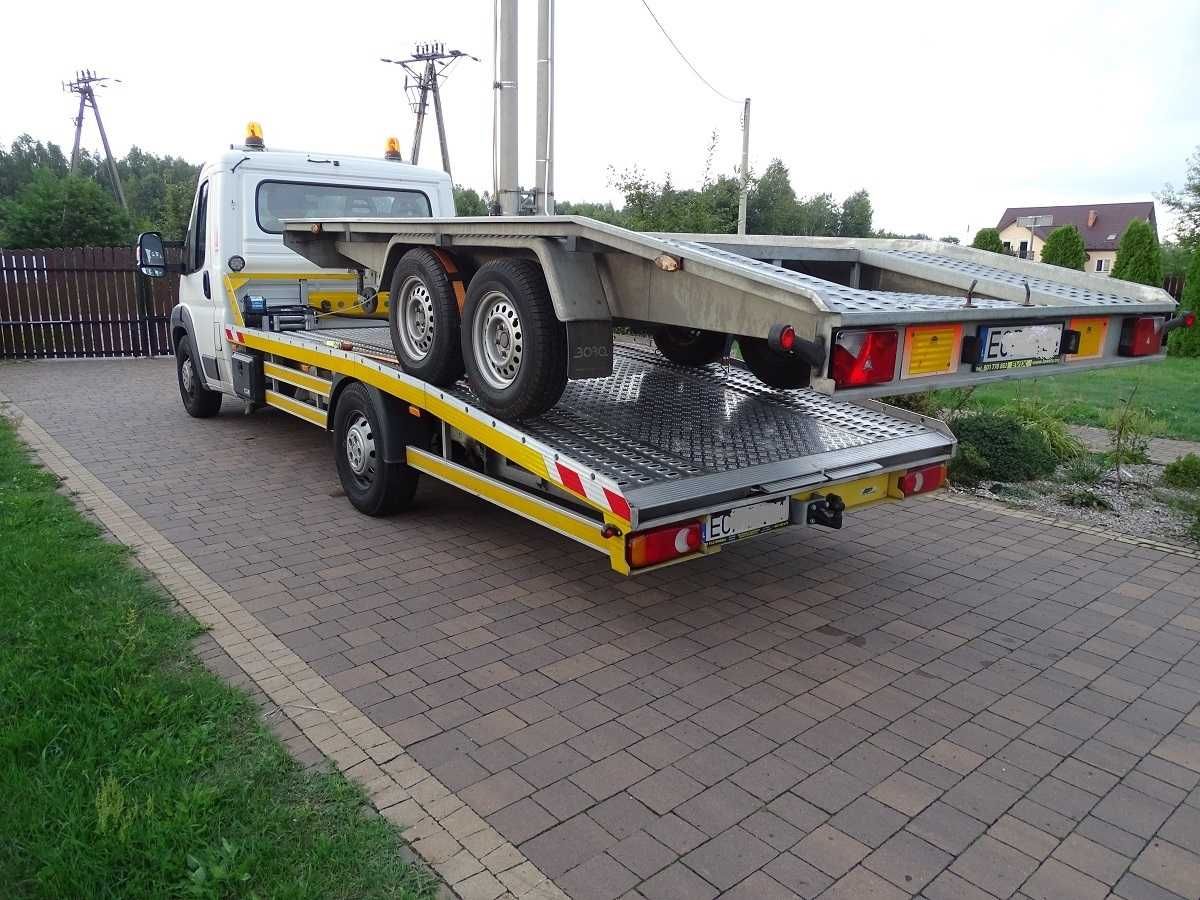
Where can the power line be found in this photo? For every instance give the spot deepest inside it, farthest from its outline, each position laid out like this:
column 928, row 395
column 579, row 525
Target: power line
column 675, row 46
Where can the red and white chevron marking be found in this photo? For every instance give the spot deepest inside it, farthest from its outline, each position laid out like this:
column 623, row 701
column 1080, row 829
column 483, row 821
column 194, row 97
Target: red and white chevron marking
column 232, row 334
column 598, row 490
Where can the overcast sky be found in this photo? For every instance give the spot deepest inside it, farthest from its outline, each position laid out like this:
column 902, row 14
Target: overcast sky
column 946, row 113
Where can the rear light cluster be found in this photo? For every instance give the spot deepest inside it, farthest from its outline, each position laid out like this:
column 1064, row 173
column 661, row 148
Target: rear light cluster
column 648, row 548
column 922, row 481
column 860, row 358
column 1142, row 336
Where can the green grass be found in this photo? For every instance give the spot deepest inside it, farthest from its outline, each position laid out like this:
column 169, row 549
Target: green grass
column 126, row 769
column 1169, row 389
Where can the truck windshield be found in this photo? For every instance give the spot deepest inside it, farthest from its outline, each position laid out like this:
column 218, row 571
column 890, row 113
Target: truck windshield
column 277, row 200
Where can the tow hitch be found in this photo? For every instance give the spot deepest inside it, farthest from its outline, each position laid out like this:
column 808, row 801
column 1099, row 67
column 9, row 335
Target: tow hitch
column 825, row 511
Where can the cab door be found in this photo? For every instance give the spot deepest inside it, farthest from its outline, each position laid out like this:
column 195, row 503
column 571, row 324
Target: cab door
column 200, row 290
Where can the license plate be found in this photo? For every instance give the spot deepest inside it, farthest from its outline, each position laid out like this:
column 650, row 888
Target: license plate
column 1018, row 346
column 745, row 520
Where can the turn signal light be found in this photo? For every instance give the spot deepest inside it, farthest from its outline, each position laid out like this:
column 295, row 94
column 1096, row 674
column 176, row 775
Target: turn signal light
column 922, row 481
column 648, row 548
column 860, row 358
column 1141, row 336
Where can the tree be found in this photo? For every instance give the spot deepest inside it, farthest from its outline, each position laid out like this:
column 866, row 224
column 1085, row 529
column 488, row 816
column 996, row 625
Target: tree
column 1139, row 257
column 66, row 211
column 771, row 207
column 1186, row 341
column 949, row 239
column 856, row 215
column 1186, row 203
column 1064, row 247
column 602, row 212
column 467, row 202
column 988, row 239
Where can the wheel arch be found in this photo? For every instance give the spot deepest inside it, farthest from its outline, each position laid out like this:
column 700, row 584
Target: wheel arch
column 181, row 330
column 396, row 421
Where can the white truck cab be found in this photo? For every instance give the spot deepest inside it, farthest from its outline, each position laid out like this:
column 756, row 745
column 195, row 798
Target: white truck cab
column 235, row 233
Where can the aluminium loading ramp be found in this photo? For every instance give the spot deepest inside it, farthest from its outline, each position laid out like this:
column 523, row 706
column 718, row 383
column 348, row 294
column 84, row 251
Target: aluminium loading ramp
column 670, row 438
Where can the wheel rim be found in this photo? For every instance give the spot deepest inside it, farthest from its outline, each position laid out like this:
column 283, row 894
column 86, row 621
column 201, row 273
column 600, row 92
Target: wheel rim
column 360, row 450
column 417, row 329
column 187, row 376
column 498, row 340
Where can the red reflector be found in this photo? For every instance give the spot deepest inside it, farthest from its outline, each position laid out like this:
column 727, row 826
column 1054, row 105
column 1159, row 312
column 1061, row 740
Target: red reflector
column 787, row 338
column 864, row 357
column 1189, row 319
column 922, row 481
column 1141, row 336
column 661, row 544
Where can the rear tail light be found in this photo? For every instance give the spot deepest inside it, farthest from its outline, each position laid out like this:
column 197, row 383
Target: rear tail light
column 1141, row 336
column 658, row 545
column 922, row 481
column 864, row 357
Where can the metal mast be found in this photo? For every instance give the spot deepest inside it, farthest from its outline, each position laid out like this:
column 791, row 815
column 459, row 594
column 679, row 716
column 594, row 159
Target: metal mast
column 742, row 195
column 83, row 85
column 544, row 176
column 425, row 68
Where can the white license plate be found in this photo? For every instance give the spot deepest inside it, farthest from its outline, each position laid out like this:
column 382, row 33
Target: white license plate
column 744, row 520
column 1018, row 346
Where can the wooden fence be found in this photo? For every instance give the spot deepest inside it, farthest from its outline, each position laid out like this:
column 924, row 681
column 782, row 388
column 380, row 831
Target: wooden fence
column 82, row 302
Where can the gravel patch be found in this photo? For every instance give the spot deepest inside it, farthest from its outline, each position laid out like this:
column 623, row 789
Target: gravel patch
column 1141, row 507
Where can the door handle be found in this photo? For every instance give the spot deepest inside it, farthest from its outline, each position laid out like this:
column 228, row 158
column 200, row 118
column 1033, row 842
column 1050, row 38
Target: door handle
column 207, row 286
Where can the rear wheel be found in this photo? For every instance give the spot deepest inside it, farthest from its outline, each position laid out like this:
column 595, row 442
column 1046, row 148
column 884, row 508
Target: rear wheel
column 514, row 346
column 424, row 319
column 372, row 485
column 774, row 368
column 689, row 346
column 199, row 401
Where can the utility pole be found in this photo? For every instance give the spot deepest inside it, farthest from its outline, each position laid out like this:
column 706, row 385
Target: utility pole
column 508, row 188
column 82, row 85
column 544, row 174
column 743, row 196
column 426, row 67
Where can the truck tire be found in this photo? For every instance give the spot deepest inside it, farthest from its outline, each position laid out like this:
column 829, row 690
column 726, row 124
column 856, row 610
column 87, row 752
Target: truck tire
column 372, row 485
column 424, row 320
column 773, row 368
column 689, row 346
column 513, row 344
column 199, row 401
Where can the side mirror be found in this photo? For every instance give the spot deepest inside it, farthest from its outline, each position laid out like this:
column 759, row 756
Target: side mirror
column 151, row 255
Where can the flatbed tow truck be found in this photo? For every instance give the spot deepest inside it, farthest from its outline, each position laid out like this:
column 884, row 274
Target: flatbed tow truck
column 649, row 454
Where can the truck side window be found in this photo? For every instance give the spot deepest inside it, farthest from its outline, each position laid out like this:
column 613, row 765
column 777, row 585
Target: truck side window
column 276, row 200
column 200, row 232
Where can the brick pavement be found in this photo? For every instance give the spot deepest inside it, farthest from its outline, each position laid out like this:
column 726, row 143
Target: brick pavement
column 940, row 699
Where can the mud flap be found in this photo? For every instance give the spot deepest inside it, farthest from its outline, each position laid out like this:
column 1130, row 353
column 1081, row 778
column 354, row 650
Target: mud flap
column 589, row 349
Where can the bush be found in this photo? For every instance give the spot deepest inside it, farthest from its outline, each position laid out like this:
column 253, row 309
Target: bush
column 925, row 403
column 1186, row 341
column 1139, row 258
column 1130, row 428
column 1183, row 473
column 1047, row 418
column 1064, row 247
column 1084, row 498
column 1001, row 446
column 1084, row 471
column 988, row 239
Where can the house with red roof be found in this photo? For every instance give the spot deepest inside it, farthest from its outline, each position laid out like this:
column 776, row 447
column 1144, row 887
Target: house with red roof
column 1101, row 225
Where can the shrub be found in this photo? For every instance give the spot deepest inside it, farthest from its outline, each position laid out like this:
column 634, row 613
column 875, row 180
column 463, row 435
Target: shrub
column 1186, row 341
column 1084, row 471
column 1064, row 247
column 1139, row 258
column 988, row 239
column 1047, row 418
column 1183, row 473
column 1130, row 428
column 1084, row 498
column 925, row 403
column 1002, row 446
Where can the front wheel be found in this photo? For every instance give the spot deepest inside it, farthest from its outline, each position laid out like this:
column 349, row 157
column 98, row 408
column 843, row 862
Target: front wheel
column 774, row 368
column 372, row 485
column 199, row 401
column 689, row 346
column 513, row 344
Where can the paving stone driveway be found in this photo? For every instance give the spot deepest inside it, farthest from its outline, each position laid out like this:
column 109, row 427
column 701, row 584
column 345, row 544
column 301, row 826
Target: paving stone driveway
column 938, row 700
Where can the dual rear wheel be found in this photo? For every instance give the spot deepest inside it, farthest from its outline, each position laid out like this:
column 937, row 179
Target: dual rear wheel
column 506, row 337
column 695, row 347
